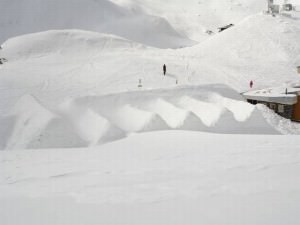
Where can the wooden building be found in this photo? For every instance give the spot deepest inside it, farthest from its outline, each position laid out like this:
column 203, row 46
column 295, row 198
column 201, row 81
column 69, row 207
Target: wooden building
column 285, row 102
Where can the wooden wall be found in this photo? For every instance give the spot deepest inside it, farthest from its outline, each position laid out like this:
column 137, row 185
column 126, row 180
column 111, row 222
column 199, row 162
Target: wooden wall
column 296, row 111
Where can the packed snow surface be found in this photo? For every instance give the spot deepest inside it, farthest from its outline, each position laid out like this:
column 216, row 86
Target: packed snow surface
column 177, row 177
column 92, row 132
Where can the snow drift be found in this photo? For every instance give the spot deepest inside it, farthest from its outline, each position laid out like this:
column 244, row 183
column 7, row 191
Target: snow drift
column 94, row 120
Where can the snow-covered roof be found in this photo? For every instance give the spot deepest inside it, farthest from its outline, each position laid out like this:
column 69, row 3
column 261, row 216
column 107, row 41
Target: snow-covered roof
column 275, row 95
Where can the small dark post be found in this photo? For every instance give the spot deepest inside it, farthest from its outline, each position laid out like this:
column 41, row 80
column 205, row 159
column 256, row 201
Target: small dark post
column 140, row 83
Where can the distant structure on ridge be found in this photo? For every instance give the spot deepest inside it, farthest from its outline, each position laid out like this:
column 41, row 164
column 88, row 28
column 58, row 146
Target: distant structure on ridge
column 276, row 9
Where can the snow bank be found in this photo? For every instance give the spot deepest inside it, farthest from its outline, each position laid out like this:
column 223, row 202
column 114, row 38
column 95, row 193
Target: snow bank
column 282, row 125
column 94, row 120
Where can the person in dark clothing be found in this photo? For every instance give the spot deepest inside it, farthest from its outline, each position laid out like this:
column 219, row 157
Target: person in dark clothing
column 251, row 84
column 165, row 69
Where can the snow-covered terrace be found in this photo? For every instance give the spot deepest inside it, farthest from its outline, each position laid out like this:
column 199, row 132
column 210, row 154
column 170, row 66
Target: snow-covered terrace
column 275, row 95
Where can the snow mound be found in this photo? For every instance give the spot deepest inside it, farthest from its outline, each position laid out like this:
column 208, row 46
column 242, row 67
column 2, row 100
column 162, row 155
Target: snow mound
column 241, row 110
column 91, row 127
column 95, row 120
column 101, row 16
column 132, row 119
column 223, row 115
column 31, row 119
column 175, row 117
column 209, row 113
column 31, row 126
column 58, row 133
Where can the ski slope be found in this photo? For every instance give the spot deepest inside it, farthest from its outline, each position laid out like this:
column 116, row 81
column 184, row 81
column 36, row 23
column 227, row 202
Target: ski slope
column 91, row 132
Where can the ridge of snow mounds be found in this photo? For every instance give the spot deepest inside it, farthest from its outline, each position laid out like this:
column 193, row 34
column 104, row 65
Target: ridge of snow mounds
column 31, row 16
column 31, row 125
column 175, row 117
column 94, row 120
column 215, row 117
column 241, row 110
column 226, row 116
column 132, row 119
column 209, row 113
column 90, row 126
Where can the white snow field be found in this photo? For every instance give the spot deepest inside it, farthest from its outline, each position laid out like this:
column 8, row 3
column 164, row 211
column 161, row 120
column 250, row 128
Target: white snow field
column 91, row 132
column 177, row 177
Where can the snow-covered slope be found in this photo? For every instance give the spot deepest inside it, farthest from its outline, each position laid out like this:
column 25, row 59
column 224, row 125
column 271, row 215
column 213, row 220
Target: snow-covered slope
column 193, row 18
column 95, row 15
column 260, row 48
column 145, row 148
column 61, row 64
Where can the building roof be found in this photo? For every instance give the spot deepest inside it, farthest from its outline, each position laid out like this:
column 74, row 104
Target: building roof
column 275, row 95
